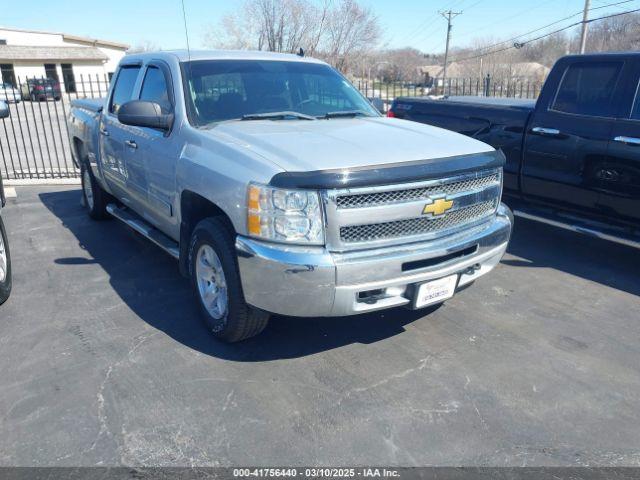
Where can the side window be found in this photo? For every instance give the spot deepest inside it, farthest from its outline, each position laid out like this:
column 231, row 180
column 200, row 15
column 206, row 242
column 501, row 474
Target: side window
column 154, row 89
column 123, row 91
column 588, row 89
column 635, row 110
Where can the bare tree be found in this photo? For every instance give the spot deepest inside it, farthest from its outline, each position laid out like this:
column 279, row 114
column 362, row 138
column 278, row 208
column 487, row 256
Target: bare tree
column 402, row 65
column 351, row 31
column 615, row 34
column 336, row 30
column 144, row 46
column 274, row 25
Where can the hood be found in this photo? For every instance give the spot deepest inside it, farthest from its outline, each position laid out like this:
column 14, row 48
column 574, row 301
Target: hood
column 343, row 143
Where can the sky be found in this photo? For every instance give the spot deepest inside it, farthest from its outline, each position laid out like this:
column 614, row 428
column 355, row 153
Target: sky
column 414, row 23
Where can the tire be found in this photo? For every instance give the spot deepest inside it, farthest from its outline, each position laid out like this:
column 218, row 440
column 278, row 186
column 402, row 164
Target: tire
column 94, row 197
column 5, row 265
column 226, row 314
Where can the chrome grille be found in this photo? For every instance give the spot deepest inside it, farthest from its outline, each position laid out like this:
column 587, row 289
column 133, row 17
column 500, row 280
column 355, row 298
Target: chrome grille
column 416, row 226
column 364, row 200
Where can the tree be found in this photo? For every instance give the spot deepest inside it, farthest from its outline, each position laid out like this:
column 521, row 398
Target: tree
column 402, row 65
column 351, row 31
column 144, row 46
column 336, row 30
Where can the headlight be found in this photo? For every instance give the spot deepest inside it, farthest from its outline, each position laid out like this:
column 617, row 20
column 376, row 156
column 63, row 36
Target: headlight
column 291, row 216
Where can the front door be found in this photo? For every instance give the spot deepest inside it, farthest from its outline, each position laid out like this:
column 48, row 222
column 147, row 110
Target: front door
column 568, row 136
column 156, row 152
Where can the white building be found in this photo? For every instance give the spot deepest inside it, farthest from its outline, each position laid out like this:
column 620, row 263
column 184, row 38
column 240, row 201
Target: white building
column 70, row 60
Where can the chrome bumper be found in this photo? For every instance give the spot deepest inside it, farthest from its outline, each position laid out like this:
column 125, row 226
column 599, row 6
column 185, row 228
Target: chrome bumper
column 313, row 282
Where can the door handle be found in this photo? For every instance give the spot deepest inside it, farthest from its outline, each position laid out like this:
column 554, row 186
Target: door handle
column 552, row 132
column 628, row 140
column 103, row 132
column 131, row 144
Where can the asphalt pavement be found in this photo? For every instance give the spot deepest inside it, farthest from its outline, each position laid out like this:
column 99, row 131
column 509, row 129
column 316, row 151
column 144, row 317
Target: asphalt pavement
column 104, row 361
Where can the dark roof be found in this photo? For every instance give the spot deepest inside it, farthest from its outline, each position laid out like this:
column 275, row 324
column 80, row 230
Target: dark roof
column 20, row 52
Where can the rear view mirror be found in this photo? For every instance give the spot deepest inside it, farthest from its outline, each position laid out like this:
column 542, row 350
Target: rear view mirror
column 377, row 103
column 4, row 109
column 140, row 113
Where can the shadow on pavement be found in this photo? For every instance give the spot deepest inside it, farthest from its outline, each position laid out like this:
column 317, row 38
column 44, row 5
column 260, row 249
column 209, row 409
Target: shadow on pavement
column 149, row 283
column 543, row 246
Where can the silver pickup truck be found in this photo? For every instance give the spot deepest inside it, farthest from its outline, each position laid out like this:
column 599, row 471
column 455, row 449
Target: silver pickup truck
column 280, row 189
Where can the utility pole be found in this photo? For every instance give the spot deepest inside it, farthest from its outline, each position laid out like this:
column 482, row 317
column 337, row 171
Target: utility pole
column 585, row 23
column 448, row 16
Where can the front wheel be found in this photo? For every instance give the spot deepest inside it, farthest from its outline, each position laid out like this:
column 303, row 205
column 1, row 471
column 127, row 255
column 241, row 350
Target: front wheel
column 216, row 282
column 5, row 265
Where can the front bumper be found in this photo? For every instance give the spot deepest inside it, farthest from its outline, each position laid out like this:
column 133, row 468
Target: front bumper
column 312, row 282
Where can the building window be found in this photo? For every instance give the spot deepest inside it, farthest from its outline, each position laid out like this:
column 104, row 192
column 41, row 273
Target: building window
column 8, row 75
column 51, row 72
column 68, row 78
column 3, row 41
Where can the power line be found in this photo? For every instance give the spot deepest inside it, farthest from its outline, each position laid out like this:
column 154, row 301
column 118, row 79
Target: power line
column 510, row 17
column 522, row 44
column 426, row 24
column 550, row 25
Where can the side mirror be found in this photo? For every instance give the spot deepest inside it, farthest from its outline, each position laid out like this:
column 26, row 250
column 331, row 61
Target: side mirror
column 377, row 103
column 140, row 113
column 4, row 109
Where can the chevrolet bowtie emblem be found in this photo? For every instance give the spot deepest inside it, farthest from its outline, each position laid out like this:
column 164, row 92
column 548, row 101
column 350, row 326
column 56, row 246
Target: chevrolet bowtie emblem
column 437, row 207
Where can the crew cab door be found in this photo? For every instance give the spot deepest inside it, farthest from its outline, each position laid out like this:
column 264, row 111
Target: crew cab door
column 159, row 150
column 619, row 177
column 115, row 153
column 567, row 138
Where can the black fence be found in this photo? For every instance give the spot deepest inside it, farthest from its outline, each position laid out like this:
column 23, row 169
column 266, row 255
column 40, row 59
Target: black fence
column 34, row 140
column 487, row 86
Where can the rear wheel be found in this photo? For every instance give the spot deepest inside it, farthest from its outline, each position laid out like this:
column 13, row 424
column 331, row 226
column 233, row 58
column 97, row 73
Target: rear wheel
column 216, row 283
column 5, row 265
column 95, row 198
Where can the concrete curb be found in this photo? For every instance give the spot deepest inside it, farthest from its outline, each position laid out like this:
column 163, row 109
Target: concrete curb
column 41, row 181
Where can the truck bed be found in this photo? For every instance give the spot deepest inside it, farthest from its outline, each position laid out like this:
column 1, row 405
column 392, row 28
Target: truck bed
column 500, row 122
column 91, row 104
column 489, row 102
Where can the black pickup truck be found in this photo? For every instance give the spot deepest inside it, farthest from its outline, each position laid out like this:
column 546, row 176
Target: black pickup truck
column 573, row 156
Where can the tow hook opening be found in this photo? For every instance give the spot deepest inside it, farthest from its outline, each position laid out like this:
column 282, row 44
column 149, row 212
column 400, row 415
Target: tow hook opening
column 472, row 269
column 371, row 296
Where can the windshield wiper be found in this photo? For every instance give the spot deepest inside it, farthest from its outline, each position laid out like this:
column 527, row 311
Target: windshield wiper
column 277, row 115
column 346, row 113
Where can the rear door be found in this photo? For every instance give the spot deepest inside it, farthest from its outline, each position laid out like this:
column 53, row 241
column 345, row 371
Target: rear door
column 569, row 133
column 115, row 154
column 619, row 176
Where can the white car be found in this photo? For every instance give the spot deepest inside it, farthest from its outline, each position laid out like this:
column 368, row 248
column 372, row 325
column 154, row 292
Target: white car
column 9, row 94
column 5, row 257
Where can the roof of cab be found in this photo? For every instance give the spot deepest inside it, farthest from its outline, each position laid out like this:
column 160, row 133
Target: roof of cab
column 184, row 56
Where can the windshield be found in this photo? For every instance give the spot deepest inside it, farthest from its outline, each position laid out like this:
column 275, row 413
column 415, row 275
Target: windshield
column 220, row 90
